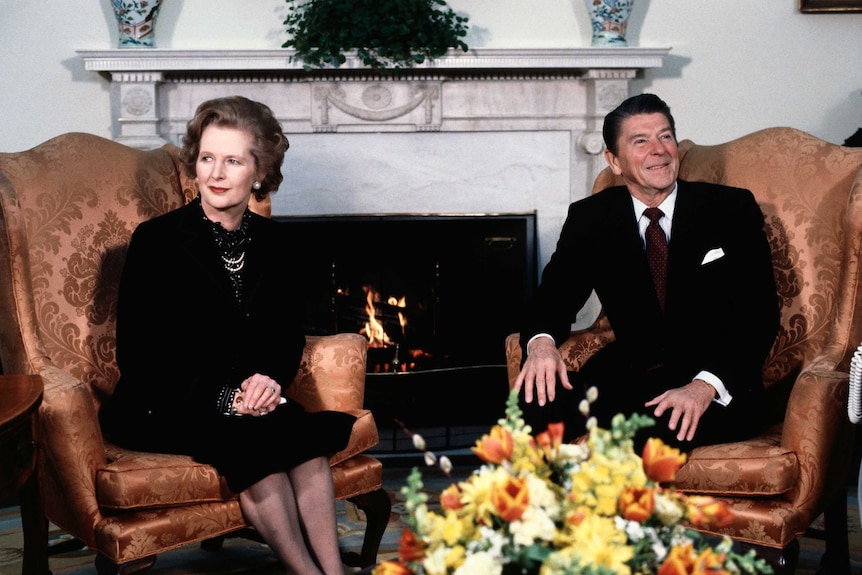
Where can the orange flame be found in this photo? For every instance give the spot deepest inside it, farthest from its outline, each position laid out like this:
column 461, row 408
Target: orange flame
column 374, row 329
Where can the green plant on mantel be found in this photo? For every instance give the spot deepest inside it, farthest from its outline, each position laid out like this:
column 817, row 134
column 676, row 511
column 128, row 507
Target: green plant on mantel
column 383, row 33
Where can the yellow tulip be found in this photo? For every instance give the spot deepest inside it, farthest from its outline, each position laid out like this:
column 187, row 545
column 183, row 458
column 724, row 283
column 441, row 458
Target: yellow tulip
column 708, row 512
column 496, row 446
column 660, row 461
column 392, row 568
column 450, row 498
column 637, row 503
column 510, row 499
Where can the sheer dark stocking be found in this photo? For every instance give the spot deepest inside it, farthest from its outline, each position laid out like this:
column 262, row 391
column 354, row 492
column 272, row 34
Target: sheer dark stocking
column 295, row 515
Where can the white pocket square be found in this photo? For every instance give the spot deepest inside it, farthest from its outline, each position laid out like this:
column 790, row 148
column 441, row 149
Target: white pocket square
column 712, row 255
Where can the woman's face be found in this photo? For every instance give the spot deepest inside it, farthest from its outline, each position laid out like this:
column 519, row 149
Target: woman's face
column 225, row 171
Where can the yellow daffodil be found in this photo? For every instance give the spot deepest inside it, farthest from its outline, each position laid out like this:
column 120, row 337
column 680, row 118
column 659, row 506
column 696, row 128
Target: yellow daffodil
column 538, row 506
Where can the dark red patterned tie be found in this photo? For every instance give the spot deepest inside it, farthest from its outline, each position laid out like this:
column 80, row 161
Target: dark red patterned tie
column 656, row 252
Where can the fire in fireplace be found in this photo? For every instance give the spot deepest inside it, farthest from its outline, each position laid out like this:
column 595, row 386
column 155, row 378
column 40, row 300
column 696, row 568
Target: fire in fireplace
column 436, row 296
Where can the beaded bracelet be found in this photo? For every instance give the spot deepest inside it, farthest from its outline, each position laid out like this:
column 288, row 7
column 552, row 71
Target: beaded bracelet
column 226, row 398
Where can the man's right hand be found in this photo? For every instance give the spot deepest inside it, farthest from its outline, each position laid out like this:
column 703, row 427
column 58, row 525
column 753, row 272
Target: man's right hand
column 541, row 368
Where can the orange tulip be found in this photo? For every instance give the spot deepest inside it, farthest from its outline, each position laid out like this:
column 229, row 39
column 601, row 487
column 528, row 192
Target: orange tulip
column 708, row 512
column 496, row 446
column 637, row 503
column 660, row 461
column 576, row 517
column 450, row 498
column 680, row 561
column 410, row 548
column 392, row 568
column 550, row 439
column 510, row 499
column 711, row 563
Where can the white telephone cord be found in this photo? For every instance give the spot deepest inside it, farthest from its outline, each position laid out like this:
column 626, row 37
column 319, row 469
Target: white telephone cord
column 854, row 399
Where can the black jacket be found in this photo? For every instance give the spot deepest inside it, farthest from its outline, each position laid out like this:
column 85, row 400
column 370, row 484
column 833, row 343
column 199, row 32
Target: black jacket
column 721, row 316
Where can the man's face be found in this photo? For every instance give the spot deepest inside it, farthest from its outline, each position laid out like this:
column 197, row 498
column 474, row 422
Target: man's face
column 647, row 157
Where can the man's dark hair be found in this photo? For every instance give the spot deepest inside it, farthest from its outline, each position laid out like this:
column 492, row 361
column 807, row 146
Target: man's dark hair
column 640, row 104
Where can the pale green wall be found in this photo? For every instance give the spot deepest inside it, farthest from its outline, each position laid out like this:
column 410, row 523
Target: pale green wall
column 734, row 66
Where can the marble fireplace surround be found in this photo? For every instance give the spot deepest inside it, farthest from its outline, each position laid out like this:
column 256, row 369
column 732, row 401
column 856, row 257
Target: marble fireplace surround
column 491, row 131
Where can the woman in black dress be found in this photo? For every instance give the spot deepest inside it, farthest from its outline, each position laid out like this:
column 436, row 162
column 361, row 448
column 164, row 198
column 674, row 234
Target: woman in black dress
column 209, row 334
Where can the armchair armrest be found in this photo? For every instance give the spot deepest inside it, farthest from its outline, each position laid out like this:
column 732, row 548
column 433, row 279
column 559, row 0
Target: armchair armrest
column 319, row 385
column 71, row 451
column 818, row 401
column 576, row 350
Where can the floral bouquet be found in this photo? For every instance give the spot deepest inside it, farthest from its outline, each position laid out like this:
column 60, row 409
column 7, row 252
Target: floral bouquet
column 538, row 506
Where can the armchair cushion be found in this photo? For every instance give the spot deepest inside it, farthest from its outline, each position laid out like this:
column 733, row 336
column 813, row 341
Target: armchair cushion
column 133, row 480
column 760, row 467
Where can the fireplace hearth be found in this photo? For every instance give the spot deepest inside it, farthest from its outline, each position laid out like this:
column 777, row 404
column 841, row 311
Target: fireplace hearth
column 436, row 295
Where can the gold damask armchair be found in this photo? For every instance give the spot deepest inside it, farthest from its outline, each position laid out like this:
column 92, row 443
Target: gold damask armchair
column 811, row 194
column 67, row 211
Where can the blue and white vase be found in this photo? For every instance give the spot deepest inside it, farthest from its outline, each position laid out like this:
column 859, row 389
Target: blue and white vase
column 137, row 22
column 609, row 19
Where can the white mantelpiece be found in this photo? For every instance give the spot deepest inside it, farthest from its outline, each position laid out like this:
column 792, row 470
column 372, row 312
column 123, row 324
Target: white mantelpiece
column 489, row 131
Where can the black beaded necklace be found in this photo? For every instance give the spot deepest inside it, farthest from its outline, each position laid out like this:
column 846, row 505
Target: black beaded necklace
column 231, row 245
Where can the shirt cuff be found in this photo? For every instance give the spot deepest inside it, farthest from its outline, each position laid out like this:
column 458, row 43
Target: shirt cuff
column 724, row 397
column 537, row 336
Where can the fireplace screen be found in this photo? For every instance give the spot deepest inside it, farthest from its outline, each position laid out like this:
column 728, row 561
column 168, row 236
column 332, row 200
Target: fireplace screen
column 427, row 291
column 435, row 295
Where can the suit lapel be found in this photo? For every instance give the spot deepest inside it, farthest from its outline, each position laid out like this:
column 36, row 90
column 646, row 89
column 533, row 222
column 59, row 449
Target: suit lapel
column 620, row 216
column 691, row 219
column 622, row 250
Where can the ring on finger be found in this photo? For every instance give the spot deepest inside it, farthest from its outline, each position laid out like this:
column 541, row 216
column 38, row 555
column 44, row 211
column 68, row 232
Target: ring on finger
column 271, row 389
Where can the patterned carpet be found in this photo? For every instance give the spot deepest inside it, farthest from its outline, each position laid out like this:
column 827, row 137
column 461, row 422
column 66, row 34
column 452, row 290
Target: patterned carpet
column 240, row 556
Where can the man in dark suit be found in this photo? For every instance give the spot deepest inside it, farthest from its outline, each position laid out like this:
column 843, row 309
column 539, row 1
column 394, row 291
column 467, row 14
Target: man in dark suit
column 690, row 344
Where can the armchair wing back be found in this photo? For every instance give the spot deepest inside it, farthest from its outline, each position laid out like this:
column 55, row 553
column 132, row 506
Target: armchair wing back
column 811, row 194
column 67, row 211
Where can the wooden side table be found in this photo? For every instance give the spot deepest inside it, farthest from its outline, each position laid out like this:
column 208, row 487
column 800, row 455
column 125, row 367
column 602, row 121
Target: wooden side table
column 20, row 396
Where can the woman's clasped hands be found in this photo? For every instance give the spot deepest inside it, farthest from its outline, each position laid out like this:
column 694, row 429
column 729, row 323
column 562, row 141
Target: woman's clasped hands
column 258, row 395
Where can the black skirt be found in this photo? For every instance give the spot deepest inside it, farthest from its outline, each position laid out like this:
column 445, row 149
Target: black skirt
column 245, row 449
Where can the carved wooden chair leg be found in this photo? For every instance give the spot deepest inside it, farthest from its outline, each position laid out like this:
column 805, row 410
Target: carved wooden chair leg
column 105, row 566
column 214, row 544
column 783, row 561
column 66, row 546
column 34, row 526
column 836, row 559
column 377, row 508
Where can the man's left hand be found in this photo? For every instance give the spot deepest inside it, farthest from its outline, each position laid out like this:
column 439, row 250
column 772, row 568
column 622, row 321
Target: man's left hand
column 687, row 404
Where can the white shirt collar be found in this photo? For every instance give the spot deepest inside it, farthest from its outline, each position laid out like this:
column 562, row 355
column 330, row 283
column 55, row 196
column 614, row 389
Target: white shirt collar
column 667, row 207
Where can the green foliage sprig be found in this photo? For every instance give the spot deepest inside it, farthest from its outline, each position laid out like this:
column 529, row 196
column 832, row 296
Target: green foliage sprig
column 384, row 33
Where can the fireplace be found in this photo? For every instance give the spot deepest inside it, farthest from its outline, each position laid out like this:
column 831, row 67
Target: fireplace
column 509, row 131
column 436, row 295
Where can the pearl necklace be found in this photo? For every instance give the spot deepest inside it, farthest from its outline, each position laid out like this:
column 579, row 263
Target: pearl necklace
column 231, row 246
column 235, row 264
